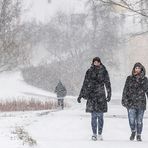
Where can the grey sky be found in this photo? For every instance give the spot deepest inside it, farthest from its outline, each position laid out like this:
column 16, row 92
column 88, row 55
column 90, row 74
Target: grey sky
column 41, row 10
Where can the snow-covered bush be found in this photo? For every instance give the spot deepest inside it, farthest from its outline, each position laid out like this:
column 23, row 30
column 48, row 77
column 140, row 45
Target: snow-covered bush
column 24, row 136
column 27, row 105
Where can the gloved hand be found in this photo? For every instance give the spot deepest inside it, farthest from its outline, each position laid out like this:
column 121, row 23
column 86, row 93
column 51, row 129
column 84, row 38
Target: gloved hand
column 79, row 99
column 108, row 98
column 124, row 103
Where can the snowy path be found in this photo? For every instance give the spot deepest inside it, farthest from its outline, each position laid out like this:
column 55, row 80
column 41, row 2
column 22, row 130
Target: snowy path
column 69, row 128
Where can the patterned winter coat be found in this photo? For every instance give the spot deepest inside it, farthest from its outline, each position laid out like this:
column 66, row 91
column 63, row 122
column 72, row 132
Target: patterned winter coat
column 93, row 89
column 60, row 90
column 135, row 90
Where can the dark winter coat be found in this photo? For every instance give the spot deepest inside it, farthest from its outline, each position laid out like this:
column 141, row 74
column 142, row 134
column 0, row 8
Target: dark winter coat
column 135, row 90
column 60, row 90
column 93, row 89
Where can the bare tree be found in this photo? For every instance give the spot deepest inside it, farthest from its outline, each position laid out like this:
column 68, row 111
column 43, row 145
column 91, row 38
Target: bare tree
column 11, row 48
column 137, row 8
column 127, row 4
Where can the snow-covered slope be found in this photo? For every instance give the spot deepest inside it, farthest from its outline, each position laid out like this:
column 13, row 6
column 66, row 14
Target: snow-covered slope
column 12, row 86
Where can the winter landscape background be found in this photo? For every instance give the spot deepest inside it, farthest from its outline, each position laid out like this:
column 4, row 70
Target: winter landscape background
column 44, row 41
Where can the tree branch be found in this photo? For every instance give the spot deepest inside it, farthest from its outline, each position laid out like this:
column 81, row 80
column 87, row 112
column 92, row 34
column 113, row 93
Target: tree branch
column 138, row 34
column 124, row 5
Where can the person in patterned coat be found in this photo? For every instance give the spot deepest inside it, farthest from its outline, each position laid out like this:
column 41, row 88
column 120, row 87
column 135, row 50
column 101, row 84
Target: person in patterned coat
column 93, row 90
column 134, row 99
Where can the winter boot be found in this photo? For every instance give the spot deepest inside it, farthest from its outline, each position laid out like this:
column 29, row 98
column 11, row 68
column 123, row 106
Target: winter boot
column 94, row 137
column 100, row 138
column 139, row 138
column 132, row 137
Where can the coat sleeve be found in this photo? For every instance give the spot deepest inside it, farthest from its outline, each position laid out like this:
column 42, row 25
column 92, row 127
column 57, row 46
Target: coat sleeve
column 125, row 92
column 84, row 90
column 146, row 87
column 107, row 84
column 55, row 91
column 65, row 90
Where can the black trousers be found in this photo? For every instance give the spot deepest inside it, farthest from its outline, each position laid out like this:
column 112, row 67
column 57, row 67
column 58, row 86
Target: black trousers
column 61, row 103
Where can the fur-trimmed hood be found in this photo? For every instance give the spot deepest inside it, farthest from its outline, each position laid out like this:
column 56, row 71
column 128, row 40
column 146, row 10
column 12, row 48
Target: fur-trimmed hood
column 143, row 71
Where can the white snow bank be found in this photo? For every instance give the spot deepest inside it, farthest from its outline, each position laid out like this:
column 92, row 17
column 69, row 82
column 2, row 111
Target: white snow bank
column 12, row 86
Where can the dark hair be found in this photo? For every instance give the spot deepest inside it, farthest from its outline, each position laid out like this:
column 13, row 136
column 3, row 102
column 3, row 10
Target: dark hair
column 143, row 71
column 96, row 59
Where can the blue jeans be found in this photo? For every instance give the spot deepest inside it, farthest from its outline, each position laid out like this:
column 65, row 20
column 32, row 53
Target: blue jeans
column 135, row 117
column 97, row 121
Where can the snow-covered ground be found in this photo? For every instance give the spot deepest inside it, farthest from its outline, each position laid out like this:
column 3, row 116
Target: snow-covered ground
column 69, row 128
column 12, row 86
column 63, row 128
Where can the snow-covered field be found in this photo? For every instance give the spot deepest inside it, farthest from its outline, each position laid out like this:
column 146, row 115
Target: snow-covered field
column 68, row 128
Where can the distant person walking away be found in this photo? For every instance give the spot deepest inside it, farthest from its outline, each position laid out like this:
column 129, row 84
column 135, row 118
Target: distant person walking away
column 93, row 90
column 134, row 99
column 61, row 92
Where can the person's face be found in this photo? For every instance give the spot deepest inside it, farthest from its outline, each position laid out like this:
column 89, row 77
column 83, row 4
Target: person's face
column 137, row 70
column 96, row 63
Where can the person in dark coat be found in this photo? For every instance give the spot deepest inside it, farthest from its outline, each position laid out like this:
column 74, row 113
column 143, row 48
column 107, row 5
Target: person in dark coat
column 61, row 92
column 93, row 90
column 134, row 99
